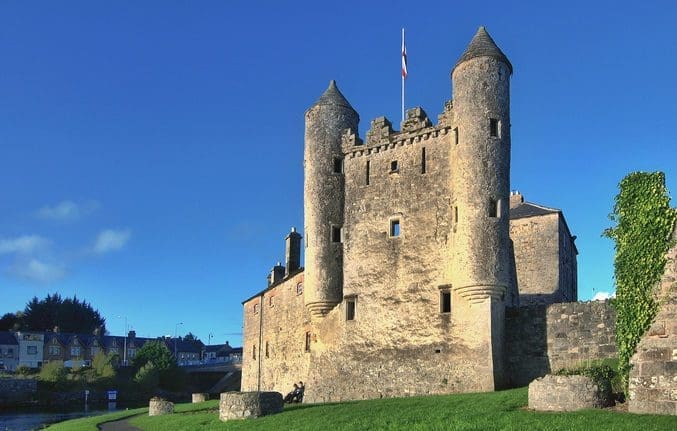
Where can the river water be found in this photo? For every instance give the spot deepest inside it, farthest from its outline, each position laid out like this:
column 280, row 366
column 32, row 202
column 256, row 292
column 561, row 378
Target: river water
column 34, row 419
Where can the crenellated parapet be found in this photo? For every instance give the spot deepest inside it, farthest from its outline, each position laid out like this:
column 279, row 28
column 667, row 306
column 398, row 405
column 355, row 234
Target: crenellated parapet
column 349, row 140
column 416, row 119
column 380, row 130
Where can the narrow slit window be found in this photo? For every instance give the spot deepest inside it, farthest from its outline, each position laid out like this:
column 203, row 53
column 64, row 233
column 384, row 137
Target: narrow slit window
column 299, row 288
column 494, row 208
column 455, row 214
column 394, row 228
column 256, row 308
column 350, row 308
column 367, row 173
column 493, row 127
column 338, row 165
column 455, row 135
column 267, row 350
column 307, row 347
column 254, row 351
column 394, row 166
column 445, row 301
column 336, row 234
column 271, row 302
column 423, row 160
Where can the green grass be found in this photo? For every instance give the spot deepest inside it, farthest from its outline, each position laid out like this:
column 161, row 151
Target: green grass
column 90, row 423
column 488, row 411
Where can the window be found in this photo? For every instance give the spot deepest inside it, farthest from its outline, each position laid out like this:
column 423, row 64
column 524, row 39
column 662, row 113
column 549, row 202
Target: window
column 271, row 302
column 54, row 350
column 336, row 234
column 394, row 167
column 131, row 353
column 456, row 136
column 445, row 300
column 455, row 214
column 254, row 351
column 299, row 288
column 350, row 308
column 493, row 127
column 338, row 165
column 368, row 163
column 494, row 208
column 307, row 341
column 256, row 308
column 423, row 160
column 267, row 351
column 10, row 351
column 75, row 351
column 113, row 350
column 32, row 350
column 394, row 227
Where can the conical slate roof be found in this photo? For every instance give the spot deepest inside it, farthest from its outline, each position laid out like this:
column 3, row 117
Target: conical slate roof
column 332, row 96
column 482, row 45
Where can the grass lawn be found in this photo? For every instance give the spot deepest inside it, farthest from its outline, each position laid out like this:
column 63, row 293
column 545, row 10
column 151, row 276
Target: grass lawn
column 487, row 411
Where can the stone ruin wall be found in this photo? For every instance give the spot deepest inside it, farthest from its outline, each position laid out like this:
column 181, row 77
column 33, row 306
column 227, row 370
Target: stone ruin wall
column 284, row 325
column 653, row 377
column 545, row 259
column 542, row 339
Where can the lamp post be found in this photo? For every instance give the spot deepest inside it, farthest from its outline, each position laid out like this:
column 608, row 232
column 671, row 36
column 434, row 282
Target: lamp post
column 176, row 331
column 124, row 350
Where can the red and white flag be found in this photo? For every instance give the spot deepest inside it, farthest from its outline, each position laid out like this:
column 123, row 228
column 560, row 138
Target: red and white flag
column 404, row 57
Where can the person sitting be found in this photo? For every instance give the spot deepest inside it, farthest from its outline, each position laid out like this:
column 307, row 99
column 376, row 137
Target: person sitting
column 298, row 397
column 291, row 395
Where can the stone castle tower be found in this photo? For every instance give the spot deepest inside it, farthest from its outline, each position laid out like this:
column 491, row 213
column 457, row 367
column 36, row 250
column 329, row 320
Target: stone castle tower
column 409, row 258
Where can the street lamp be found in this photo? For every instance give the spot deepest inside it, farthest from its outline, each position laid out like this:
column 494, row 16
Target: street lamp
column 176, row 331
column 124, row 358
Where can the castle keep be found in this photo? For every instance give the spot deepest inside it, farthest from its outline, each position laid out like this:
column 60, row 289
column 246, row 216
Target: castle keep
column 414, row 249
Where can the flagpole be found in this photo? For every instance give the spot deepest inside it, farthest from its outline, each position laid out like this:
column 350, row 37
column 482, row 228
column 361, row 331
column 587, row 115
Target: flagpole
column 403, row 48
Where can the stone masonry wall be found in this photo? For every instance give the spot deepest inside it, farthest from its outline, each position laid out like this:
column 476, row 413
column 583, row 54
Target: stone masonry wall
column 542, row 339
column 653, row 378
column 17, row 390
column 284, row 321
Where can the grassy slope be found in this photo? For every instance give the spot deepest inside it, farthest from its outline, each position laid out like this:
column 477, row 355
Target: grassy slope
column 488, row 411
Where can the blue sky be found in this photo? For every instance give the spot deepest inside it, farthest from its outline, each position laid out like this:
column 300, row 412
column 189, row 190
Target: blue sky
column 151, row 154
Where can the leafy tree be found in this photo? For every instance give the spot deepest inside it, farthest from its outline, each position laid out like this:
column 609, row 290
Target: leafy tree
column 69, row 315
column 54, row 372
column 10, row 322
column 148, row 377
column 644, row 222
column 191, row 337
column 157, row 353
column 102, row 365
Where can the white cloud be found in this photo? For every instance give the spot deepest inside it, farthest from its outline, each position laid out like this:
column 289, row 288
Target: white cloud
column 37, row 271
column 603, row 296
column 23, row 245
column 111, row 240
column 66, row 211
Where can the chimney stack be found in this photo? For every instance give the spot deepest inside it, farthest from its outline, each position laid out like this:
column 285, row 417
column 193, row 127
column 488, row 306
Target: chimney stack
column 516, row 198
column 292, row 251
column 277, row 273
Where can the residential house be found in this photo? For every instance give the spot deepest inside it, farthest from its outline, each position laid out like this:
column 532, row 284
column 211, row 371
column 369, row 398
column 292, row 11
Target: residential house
column 9, row 351
column 31, row 348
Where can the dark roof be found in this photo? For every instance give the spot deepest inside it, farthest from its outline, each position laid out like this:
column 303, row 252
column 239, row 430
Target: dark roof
column 219, row 348
column 482, row 45
column 260, row 293
column 8, row 338
column 528, row 209
column 183, row 346
column 333, row 96
column 66, row 338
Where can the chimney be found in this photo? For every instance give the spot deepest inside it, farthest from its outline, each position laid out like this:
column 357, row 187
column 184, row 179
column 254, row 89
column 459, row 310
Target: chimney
column 516, row 198
column 292, row 252
column 131, row 335
column 277, row 273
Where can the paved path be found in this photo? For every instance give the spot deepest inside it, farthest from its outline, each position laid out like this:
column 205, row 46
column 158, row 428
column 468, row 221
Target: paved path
column 121, row 425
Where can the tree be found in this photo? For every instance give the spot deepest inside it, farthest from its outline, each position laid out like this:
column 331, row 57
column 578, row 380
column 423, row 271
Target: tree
column 10, row 322
column 102, row 365
column 69, row 315
column 157, row 353
column 644, row 222
column 148, row 377
column 191, row 337
column 54, row 372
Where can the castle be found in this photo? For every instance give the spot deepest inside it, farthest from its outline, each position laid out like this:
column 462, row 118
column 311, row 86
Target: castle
column 414, row 249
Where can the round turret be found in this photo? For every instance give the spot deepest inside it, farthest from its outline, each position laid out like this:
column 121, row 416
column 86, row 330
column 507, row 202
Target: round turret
column 481, row 171
column 324, row 187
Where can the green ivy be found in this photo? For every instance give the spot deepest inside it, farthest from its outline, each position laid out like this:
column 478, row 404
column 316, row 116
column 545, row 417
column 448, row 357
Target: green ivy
column 644, row 221
column 602, row 375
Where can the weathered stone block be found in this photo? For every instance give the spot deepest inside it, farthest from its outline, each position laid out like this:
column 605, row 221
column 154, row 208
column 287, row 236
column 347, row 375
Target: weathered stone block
column 159, row 406
column 200, row 397
column 243, row 405
column 566, row 393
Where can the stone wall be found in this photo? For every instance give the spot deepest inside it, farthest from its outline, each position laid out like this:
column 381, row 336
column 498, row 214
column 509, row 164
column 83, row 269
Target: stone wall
column 278, row 350
column 541, row 339
column 244, row 405
column 566, row 394
column 653, row 378
column 14, row 391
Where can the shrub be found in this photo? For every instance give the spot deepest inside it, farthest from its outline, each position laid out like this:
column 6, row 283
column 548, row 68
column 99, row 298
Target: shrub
column 54, row 372
column 602, row 374
column 102, row 365
column 23, row 370
column 148, row 377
